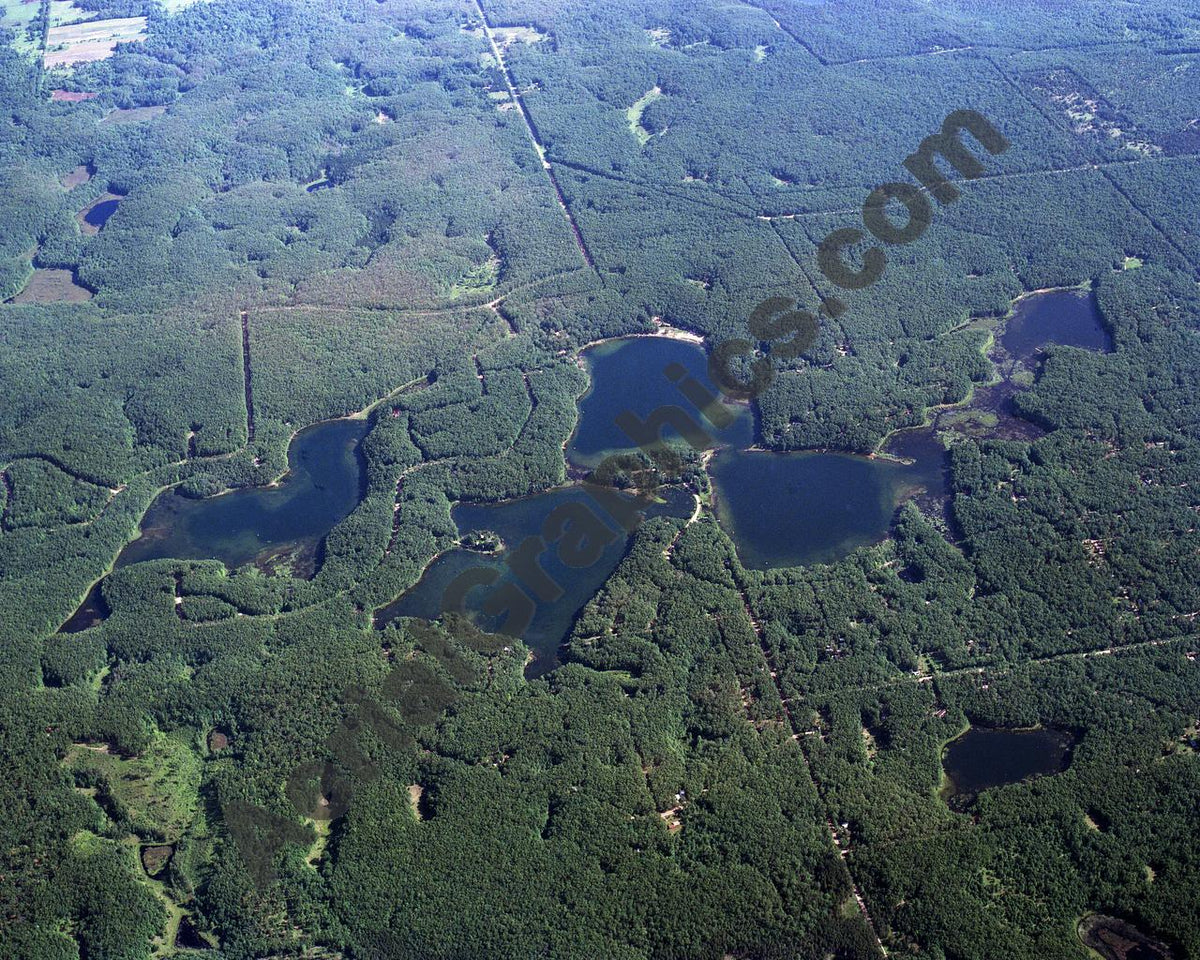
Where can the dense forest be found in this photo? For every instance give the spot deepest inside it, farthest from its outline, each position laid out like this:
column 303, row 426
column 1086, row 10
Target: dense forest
column 238, row 220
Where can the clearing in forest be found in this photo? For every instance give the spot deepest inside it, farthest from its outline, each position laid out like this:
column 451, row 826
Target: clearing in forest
column 63, row 12
column 174, row 6
column 18, row 13
column 158, row 790
column 71, row 96
column 52, row 286
column 134, row 114
column 481, row 279
column 506, row 36
column 18, row 16
column 77, row 177
column 634, row 115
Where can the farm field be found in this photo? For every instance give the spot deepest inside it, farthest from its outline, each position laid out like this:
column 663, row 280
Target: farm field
column 76, row 42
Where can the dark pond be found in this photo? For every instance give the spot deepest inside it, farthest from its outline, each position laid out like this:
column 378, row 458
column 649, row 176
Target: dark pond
column 1116, row 939
column 569, row 587
column 99, row 215
column 782, row 509
column 986, row 757
column 1068, row 317
column 92, row 611
column 188, row 938
column 789, row 509
column 323, row 485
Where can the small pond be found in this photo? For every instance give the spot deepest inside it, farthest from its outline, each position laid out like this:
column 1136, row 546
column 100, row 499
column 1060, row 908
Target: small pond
column 92, row 612
column 99, row 214
column 987, row 757
column 1115, row 939
column 188, row 937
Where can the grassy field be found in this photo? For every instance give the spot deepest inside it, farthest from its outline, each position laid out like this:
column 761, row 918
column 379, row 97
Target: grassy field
column 52, row 286
column 158, row 789
column 482, row 279
column 634, row 115
column 18, row 13
column 64, row 12
column 134, row 114
column 18, row 16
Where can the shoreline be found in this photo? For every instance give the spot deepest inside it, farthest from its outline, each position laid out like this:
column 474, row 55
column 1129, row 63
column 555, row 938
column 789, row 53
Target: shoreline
column 664, row 330
column 994, row 324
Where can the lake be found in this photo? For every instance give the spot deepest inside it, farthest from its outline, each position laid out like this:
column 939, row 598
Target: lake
column 1064, row 317
column 1067, row 317
column 987, row 757
column 630, row 376
column 514, row 521
column 281, row 525
column 323, row 485
column 792, row 509
column 797, row 509
column 822, row 506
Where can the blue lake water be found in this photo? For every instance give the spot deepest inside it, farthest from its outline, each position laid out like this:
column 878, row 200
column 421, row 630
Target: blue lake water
column 1067, row 317
column 288, row 521
column 323, row 485
column 782, row 509
column 791, row 509
column 100, row 214
column 543, row 600
column 635, row 376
